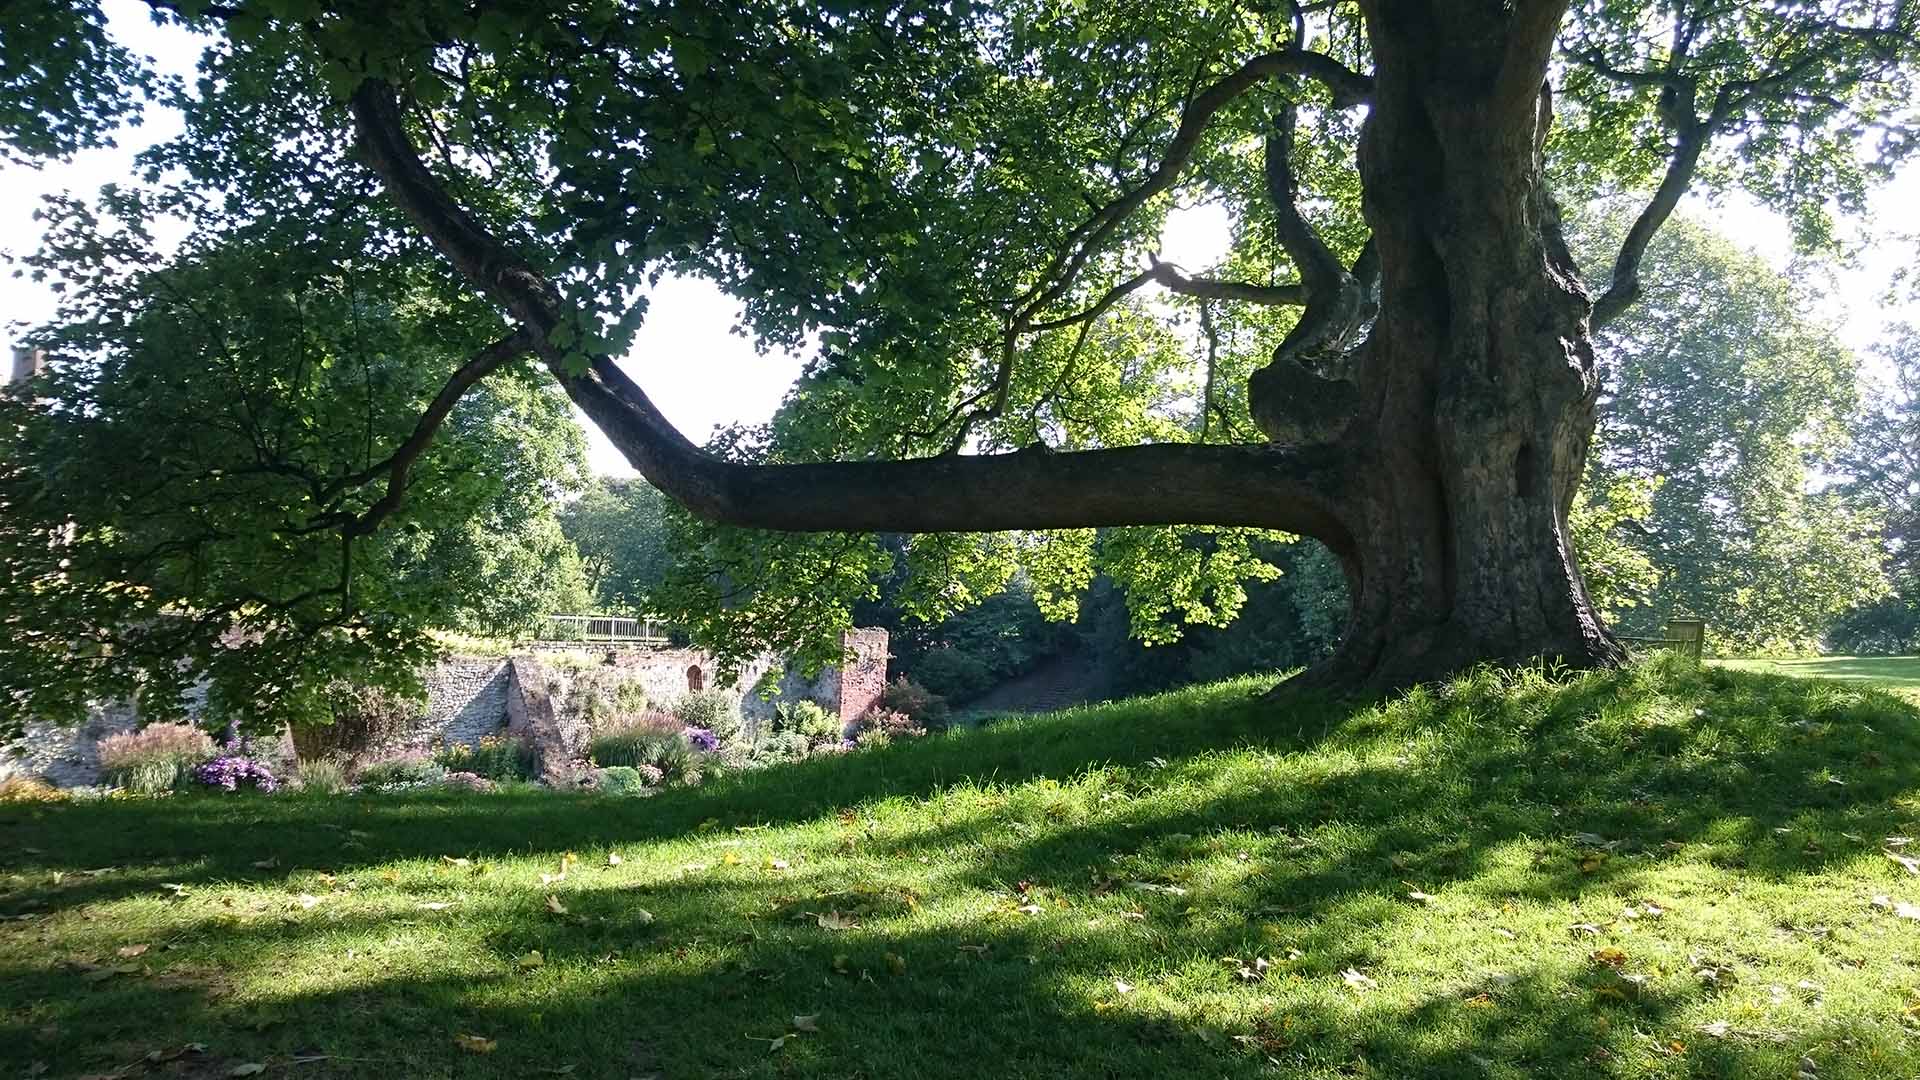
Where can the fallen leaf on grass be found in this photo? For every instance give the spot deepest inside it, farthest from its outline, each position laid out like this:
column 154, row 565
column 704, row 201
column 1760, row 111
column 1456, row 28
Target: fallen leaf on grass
column 175, row 888
column 1609, row 957
column 643, row 916
column 773, row 1045
column 131, row 951
column 614, row 859
column 451, row 861
column 476, row 1044
column 251, row 1068
column 1028, row 909
column 896, row 964
column 807, row 1023
column 554, row 905
column 1584, row 929
column 548, row 879
column 436, row 905
column 1908, row 863
column 531, row 960
column 1419, row 897
column 1148, row 886
column 307, row 901
column 776, row 864
column 266, row 864
column 977, row 950
column 834, row 920
column 1123, row 986
column 1358, row 981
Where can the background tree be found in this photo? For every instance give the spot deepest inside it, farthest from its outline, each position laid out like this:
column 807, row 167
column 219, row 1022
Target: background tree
column 619, row 527
column 194, row 475
column 963, row 203
column 1727, row 391
column 1884, row 469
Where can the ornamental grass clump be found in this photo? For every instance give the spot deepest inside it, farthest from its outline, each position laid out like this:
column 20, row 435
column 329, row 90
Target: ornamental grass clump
column 158, row 757
column 232, row 773
column 408, row 769
column 322, row 776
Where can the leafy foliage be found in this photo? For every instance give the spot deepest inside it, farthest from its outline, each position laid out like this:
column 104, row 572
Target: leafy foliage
column 213, row 432
column 1884, row 475
column 619, row 528
column 884, row 181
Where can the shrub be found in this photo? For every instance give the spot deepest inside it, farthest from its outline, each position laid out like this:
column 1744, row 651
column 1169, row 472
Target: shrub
column 25, row 789
column 322, row 776
column 412, row 768
column 230, row 773
column 714, row 710
column 466, row 781
column 158, row 757
column 928, row 709
column 496, row 757
column 701, row 739
column 781, row 746
column 891, row 723
column 621, row 780
column 365, row 718
column 872, row 739
column 808, row 720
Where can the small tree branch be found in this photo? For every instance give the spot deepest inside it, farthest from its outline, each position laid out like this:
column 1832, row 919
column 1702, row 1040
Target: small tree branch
column 400, row 462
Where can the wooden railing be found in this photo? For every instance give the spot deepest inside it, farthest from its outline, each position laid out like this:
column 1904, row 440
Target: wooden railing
column 603, row 629
column 1685, row 635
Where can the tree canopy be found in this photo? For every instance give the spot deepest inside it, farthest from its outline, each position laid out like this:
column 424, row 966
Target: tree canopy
column 961, row 204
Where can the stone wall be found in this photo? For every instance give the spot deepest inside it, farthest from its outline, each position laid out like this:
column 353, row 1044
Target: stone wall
column 66, row 756
column 466, row 700
column 533, row 695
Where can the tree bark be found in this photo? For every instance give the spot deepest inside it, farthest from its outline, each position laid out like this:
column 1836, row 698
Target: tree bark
column 1478, row 383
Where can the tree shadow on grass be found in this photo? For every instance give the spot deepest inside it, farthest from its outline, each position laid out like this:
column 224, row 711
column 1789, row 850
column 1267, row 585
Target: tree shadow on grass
column 1153, row 867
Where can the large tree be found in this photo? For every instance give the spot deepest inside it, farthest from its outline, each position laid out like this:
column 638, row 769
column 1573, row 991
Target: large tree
column 962, row 201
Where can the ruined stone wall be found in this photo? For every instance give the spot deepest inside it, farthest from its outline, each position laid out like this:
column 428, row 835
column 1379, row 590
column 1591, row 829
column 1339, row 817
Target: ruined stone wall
column 536, row 695
column 466, row 700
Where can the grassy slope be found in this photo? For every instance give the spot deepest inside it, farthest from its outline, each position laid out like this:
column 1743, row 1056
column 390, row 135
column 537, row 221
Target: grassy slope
column 996, row 880
column 1900, row 672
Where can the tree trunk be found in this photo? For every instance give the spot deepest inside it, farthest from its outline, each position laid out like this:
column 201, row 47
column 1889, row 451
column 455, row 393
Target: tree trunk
column 1478, row 382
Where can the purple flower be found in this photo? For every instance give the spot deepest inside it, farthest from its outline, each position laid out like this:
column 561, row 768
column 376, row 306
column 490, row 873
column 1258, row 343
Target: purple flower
column 702, row 739
column 230, row 773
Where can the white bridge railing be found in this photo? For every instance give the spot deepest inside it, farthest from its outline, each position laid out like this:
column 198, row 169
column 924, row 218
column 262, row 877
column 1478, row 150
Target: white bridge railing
column 604, row 629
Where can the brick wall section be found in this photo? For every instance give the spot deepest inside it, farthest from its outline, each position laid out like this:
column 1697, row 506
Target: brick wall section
column 863, row 672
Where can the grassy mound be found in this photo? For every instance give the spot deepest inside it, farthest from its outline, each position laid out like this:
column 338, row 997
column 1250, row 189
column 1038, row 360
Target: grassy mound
column 1666, row 871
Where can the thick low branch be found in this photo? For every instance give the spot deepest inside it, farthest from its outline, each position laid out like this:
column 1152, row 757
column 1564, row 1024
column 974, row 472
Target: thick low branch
column 1271, row 487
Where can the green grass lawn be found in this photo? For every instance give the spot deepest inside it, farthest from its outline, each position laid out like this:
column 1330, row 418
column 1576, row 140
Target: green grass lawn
column 1901, row 672
column 1659, row 872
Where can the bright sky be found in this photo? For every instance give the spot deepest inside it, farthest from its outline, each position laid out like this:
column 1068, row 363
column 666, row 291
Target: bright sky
column 702, row 376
